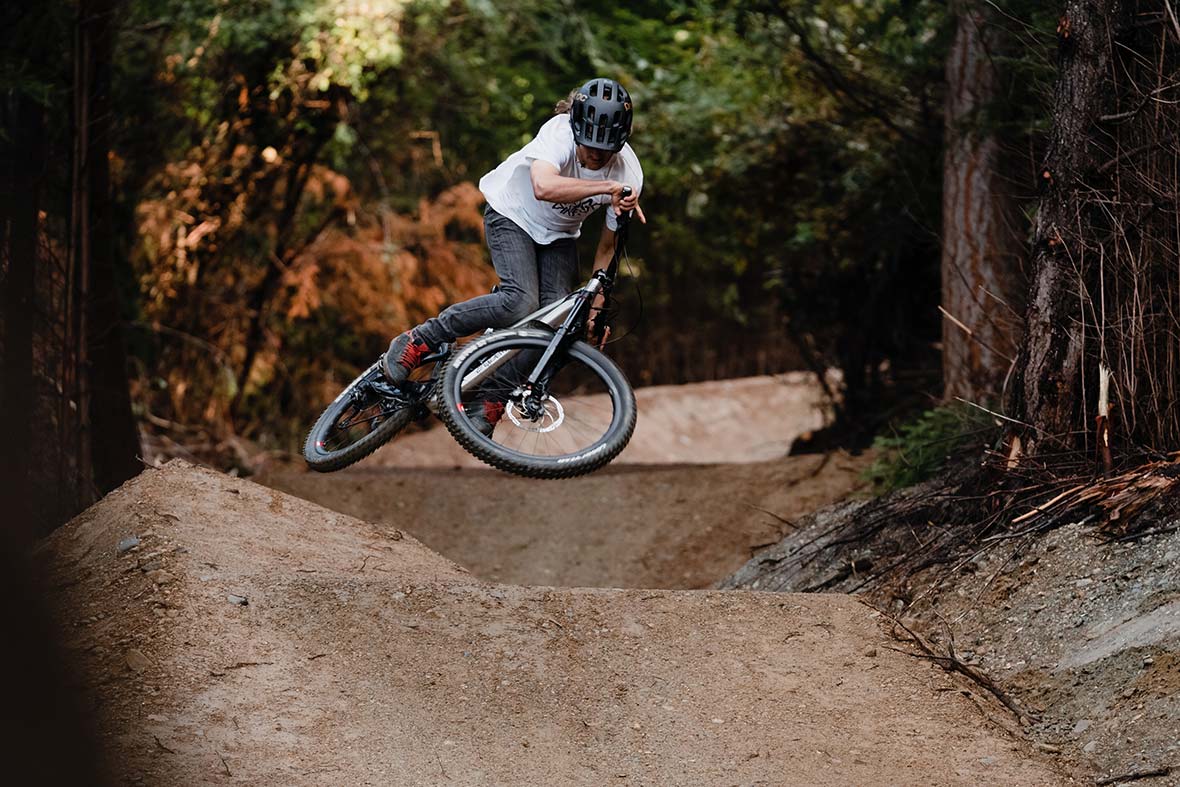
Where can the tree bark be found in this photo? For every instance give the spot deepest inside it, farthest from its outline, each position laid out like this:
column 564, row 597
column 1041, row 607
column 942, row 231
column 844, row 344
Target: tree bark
column 296, row 183
column 1045, row 391
column 20, row 176
column 114, row 441
column 981, row 242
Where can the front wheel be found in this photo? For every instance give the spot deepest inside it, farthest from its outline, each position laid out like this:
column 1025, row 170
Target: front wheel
column 574, row 424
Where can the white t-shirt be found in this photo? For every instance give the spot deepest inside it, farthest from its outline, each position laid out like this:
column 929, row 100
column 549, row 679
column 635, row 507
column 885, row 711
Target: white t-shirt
column 509, row 187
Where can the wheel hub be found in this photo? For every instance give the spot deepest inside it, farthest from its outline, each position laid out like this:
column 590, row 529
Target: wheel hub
column 536, row 414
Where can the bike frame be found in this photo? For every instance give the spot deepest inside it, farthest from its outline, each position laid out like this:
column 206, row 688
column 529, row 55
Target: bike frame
column 567, row 317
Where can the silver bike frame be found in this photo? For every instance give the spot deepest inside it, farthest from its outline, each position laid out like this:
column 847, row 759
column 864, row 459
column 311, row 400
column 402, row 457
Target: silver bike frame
column 553, row 315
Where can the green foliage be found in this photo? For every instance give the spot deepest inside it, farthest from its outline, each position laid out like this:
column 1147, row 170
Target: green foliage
column 790, row 151
column 918, row 449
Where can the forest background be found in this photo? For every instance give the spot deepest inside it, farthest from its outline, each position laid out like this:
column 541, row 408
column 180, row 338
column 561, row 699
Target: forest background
column 217, row 212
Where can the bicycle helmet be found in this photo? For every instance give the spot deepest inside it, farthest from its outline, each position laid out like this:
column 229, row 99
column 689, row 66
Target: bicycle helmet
column 600, row 115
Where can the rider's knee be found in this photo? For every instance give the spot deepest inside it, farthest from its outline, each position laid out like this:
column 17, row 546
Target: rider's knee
column 518, row 304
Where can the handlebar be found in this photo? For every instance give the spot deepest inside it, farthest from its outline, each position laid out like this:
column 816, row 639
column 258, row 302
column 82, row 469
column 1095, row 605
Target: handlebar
column 625, row 216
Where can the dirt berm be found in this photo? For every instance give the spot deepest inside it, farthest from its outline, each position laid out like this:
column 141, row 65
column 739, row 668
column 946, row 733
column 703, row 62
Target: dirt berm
column 249, row 637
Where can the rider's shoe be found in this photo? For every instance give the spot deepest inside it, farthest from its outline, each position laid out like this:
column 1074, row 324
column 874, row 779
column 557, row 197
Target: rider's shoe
column 405, row 354
column 484, row 416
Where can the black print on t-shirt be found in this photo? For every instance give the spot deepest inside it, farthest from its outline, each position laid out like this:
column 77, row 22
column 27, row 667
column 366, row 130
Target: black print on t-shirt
column 574, row 208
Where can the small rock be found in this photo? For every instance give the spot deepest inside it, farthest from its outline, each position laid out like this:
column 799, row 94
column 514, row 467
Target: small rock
column 151, row 565
column 1081, row 726
column 718, row 721
column 1083, row 582
column 1090, row 747
column 989, row 760
column 871, row 653
column 161, row 577
column 127, row 544
column 1148, row 661
column 1049, row 748
column 240, row 601
column 136, row 660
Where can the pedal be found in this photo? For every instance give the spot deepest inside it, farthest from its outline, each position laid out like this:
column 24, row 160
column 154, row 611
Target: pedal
column 386, row 389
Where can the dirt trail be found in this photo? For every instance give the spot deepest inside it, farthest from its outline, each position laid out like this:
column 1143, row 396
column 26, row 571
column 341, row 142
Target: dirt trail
column 251, row 637
column 748, row 419
column 663, row 526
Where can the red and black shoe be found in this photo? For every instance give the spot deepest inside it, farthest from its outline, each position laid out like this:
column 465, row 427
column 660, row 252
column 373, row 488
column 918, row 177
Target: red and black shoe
column 484, row 415
column 405, row 354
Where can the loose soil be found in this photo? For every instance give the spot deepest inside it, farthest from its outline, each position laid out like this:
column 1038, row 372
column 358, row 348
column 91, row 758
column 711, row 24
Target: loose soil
column 228, row 633
column 661, row 526
column 1082, row 634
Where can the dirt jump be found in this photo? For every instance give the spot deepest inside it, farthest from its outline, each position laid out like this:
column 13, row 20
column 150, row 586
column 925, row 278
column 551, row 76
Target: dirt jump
column 227, row 633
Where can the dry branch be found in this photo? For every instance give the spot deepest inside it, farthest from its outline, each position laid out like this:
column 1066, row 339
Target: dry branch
column 952, row 663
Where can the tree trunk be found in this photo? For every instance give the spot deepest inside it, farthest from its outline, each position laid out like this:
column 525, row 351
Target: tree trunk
column 981, row 244
column 20, row 183
column 114, row 441
column 280, row 257
column 1045, row 391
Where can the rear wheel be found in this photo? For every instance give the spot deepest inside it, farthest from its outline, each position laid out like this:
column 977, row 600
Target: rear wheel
column 363, row 417
column 575, row 423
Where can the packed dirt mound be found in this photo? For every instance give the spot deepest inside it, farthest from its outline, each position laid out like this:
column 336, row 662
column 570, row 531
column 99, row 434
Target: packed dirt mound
column 750, row 419
column 665, row 526
column 227, row 633
column 1080, row 632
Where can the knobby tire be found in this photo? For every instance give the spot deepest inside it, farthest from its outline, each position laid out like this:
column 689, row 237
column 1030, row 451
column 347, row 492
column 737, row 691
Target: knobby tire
column 586, row 460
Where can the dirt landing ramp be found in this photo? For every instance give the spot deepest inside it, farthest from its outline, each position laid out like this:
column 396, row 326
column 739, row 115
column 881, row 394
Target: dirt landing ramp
column 663, row 526
column 253, row 638
column 749, row 419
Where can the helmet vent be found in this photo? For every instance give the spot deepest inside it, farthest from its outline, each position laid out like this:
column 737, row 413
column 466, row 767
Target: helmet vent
column 606, row 92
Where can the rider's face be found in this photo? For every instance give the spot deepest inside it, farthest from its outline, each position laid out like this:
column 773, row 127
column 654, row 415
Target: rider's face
column 593, row 158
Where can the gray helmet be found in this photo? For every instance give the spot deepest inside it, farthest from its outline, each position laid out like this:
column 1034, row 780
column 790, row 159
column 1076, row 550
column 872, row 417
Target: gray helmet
column 600, row 115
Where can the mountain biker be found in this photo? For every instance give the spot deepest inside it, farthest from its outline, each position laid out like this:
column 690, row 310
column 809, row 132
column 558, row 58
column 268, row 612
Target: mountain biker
column 537, row 199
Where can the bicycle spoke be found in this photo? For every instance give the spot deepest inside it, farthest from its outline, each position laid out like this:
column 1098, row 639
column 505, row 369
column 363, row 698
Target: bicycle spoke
column 552, row 429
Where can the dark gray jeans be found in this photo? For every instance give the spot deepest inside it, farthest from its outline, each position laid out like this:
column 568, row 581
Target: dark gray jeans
column 531, row 274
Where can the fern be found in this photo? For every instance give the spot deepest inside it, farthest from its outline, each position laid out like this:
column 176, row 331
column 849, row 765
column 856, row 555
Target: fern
column 918, row 449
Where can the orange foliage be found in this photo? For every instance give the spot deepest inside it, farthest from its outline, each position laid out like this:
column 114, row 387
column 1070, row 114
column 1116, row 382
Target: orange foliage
column 386, row 276
column 361, row 277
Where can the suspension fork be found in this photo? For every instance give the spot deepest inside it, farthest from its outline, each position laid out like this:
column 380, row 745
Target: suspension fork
column 544, row 369
column 601, row 282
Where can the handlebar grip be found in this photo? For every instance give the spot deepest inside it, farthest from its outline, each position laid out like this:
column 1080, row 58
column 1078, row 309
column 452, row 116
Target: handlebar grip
column 625, row 216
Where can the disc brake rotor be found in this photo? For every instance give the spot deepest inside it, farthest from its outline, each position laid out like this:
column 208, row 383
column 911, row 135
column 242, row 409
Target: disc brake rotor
column 549, row 420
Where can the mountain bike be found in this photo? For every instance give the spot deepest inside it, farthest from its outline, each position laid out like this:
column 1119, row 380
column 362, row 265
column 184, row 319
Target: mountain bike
column 563, row 407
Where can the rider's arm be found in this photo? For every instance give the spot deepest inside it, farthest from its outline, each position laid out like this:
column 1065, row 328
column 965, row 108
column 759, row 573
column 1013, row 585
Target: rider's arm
column 606, row 249
column 550, row 186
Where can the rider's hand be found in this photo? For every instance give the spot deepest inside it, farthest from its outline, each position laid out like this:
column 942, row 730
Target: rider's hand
column 623, row 204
